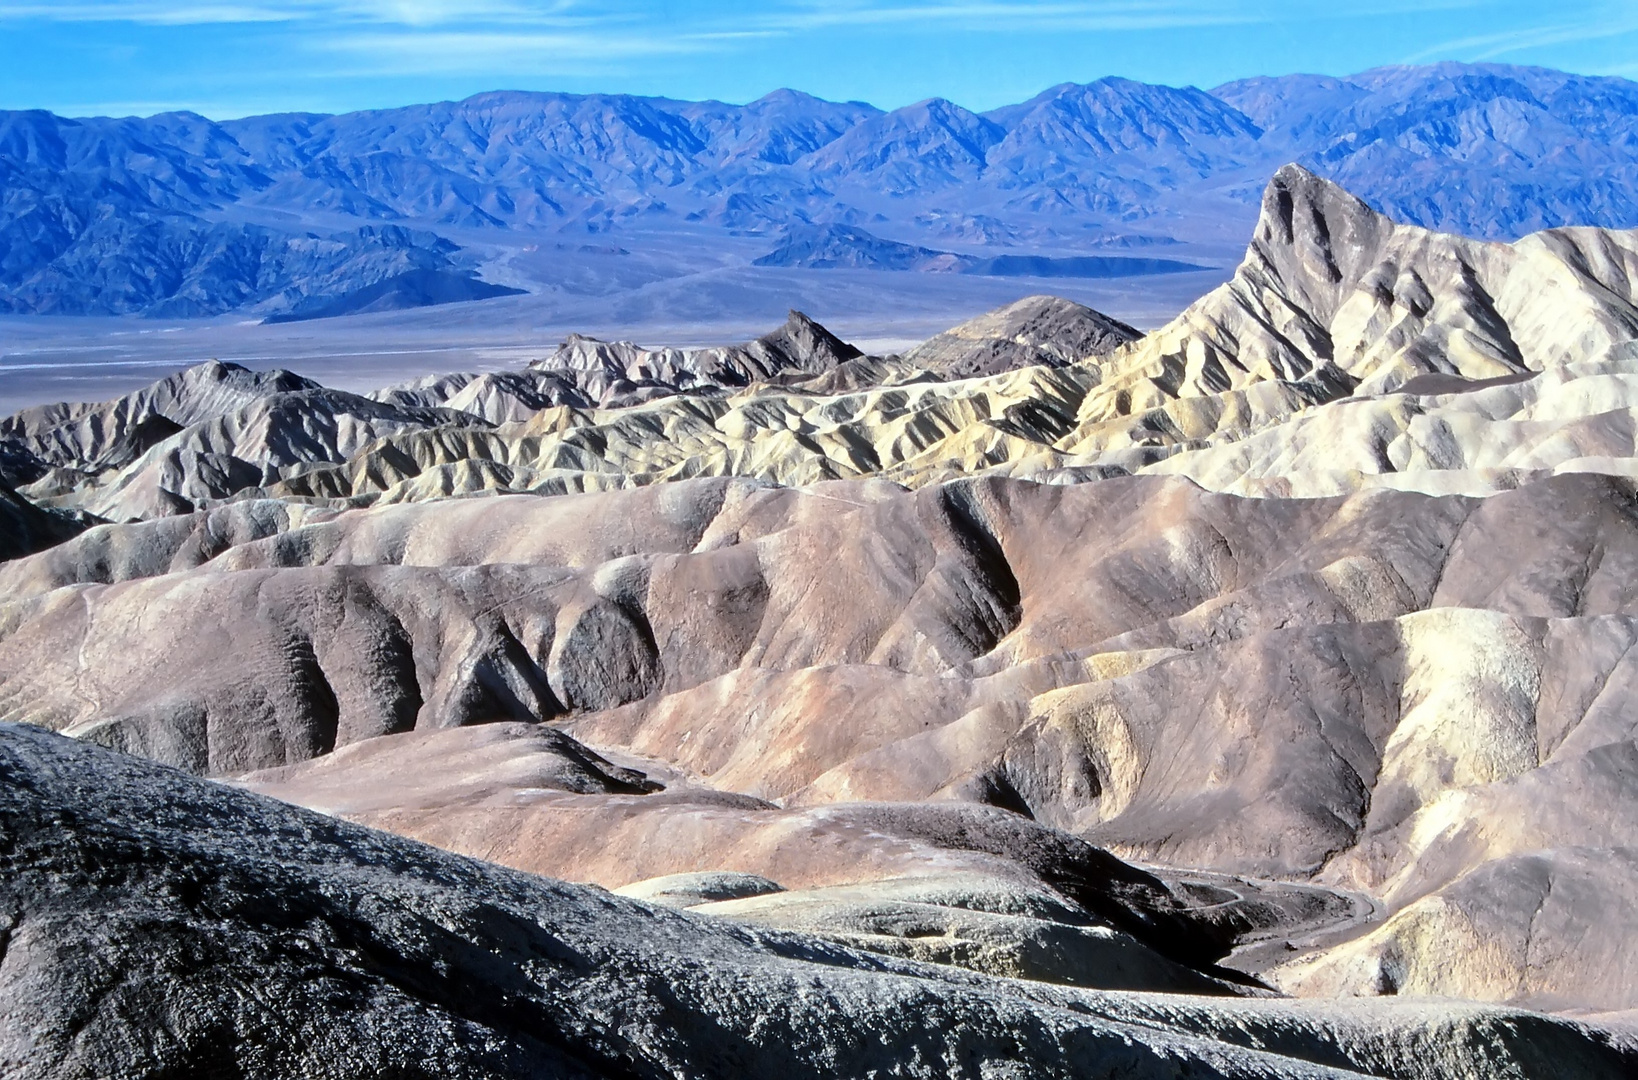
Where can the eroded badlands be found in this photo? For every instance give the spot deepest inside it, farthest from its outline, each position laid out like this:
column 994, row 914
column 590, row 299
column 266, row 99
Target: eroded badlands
column 1050, row 698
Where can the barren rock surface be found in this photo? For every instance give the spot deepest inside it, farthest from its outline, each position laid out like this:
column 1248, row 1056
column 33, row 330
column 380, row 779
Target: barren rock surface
column 1035, row 330
column 26, row 529
column 1284, row 650
column 1346, row 351
column 1272, row 688
column 157, row 924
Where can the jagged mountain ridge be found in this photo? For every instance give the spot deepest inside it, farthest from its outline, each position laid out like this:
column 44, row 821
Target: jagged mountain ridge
column 1442, row 147
column 584, row 373
column 1448, row 147
column 217, row 430
column 1337, row 318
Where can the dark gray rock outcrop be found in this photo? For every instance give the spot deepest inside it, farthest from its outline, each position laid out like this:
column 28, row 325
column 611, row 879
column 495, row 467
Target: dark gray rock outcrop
column 26, row 529
column 830, row 247
column 1035, row 330
column 421, row 287
column 158, row 926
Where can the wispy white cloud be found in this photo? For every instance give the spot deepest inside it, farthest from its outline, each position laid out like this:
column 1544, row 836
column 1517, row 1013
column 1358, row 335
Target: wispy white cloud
column 1603, row 24
column 476, row 40
column 1034, row 15
column 371, row 38
column 158, row 14
column 719, row 18
column 972, row 13
column 447, row 12
column 458, row 52
column 512, row 37
column 200, row 12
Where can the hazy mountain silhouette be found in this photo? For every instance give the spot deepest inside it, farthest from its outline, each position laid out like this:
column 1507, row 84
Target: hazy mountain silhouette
column 179, row 215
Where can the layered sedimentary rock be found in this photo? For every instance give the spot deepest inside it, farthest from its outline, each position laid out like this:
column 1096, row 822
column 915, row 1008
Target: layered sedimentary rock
column 1284, row 650
column 1346, row 351
column 497, row 397
column 620, row 369
column 1300, row 690
column 201, row 435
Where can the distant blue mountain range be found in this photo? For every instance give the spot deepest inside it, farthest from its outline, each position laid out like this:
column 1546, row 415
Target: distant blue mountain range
column 292, row 215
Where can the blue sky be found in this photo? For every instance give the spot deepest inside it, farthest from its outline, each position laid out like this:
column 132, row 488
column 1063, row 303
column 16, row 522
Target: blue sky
column 229, row 58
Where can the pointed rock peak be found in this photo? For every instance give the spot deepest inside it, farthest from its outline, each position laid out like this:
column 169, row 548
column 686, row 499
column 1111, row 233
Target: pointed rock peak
column 1111, row 86
column 1062, row 327
column 1297, row 202
column 941, row 109
column 214, row 370
column 786, row 96
column 1316, row 238
column 1293, row 176
column 799, row 321
column 223, row 373
column 1053, row 92
column 807, row 345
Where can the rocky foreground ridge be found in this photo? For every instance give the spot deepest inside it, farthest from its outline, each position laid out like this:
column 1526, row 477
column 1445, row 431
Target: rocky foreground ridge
column 1098, row 688
column 160, row 925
